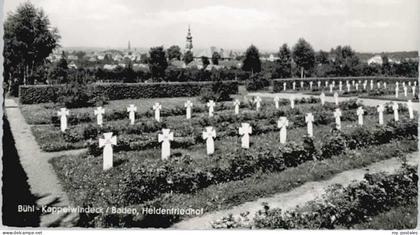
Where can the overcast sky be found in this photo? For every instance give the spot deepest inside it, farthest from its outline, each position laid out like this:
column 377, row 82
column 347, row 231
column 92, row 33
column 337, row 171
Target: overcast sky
column 365, row 25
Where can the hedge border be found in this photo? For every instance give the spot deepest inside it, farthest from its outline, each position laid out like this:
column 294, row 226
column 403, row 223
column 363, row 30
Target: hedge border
column 34, row 94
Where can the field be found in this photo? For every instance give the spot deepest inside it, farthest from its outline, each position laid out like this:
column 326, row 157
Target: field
column 191, row 178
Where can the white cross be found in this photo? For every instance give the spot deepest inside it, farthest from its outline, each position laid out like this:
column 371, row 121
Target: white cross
column 319, row 84
column 336, row 98
column 322, row 97
column 189, row 106
column 371, row 84
column 301, row 85
column 211, row 105
column 310, row 84
column 208, row 135
column 333, row 83
column 348, row 87
column 396, row 84
column 405, row 91
column 309, row 119
column 257, row 102
column 292, row 102
column 410, row 109
column 364, row 85
column 165, row 138
column 276, row 102
column 353, row 82
column 245, row 130
column 403, row 83
column 98, row 113
column 378, row 85
column 395, row 108
column 63, row 113
column 236, row 103
column 284, row 86
column 409, row 83
column 326, row 84
column 396, row 92
column 360, row 113
column 415, row 83
column 357, row 86
column 385, row 85
column 282, row 124
column 131, row 113
column 380, row 110
column 107, row 143
column 337, row 115
column 331, row 88
column 157, row 107
column 294, row 85
column 413, row 89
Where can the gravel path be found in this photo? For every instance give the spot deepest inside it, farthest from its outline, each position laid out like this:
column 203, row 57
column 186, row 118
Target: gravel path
column 298, row 196
column 42, row 180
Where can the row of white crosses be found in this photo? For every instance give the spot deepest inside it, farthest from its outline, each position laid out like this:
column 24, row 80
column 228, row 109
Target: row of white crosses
column 405, row 89
column 245, row 130
column 355, row 84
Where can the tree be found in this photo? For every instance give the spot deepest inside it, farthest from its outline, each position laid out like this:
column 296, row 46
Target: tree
column 205, row 61
column 252, row 62
column 188, row 57
column 304, row 56
column 321, row 57
column 215, row 57
column 28, row 41
column 59, row 72
column 157, row 62
column 346, row 62
column 174, row 52
column 282, row 67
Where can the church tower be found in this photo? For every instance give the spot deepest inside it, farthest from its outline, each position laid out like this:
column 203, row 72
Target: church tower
column 189, row 45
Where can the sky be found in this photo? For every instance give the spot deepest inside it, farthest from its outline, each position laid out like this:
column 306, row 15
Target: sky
column 365, row 25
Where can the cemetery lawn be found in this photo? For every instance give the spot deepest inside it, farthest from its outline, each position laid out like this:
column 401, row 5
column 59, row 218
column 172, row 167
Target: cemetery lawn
column 218, row 196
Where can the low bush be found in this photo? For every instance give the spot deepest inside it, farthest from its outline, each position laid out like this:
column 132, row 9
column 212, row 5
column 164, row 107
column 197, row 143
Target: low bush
column 340, row 207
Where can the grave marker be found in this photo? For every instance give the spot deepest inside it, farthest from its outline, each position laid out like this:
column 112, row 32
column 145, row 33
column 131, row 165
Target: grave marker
column 405, row 91
column 322, row 97
column 257, row 102
column 276, row 102
column 189, row 106
column 309, row 119
column 413, row 89
column 107, row 143
column 395, row 108
column 292, row 102
column 380, row 110
column 336, row 98
column 282, row 124
column 236, row 103
column 294, row 85
column 337, row 116
column 131, row 113
column 360, row 113
column 245, row 130
column 98, row 113
column 157, row 107
column 166, row 137
column 410, row 109
column 63, row 113
column 211, row 105
column 208, row 135
column 284, row 86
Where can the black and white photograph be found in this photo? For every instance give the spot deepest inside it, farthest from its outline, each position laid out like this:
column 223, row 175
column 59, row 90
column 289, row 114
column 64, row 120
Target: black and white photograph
column 210, row 115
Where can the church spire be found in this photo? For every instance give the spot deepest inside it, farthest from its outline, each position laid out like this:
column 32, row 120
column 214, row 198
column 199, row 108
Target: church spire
column 189, row 45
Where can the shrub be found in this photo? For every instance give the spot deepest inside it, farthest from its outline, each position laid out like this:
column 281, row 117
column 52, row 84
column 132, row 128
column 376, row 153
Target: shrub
column 78, row 95
column 33, row 94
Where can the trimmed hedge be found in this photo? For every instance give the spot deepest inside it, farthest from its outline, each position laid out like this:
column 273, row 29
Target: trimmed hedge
column 278, row 83
column 34, row 94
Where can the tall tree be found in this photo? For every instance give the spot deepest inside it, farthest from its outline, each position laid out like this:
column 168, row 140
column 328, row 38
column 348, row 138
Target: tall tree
column 283, row 66
column 304, row 56
column 215, row 57
column 28, row 41
column 174, row 52
column 157, row 62
column 188, row 57
column 252, row 62
column 345, row 61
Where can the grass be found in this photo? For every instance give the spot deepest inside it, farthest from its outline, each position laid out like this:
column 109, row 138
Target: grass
column 398, row 218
